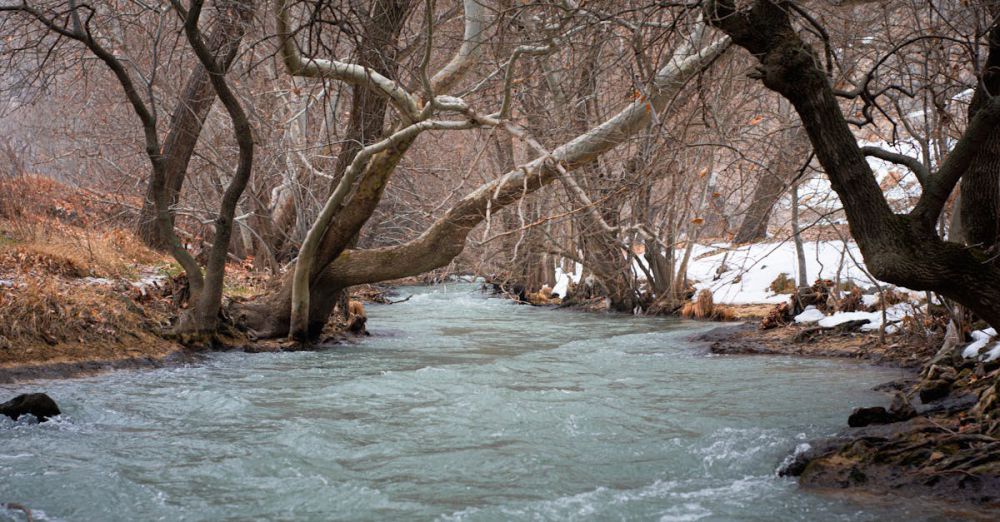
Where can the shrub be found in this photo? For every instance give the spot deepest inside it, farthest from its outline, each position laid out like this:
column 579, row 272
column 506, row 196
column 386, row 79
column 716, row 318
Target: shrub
column 783, row 284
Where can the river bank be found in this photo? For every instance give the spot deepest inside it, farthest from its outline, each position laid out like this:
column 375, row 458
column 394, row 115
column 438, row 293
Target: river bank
column 938, row 438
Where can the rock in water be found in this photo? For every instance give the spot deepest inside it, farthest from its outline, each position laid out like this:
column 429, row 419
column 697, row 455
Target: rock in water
column 38, row 404
column 864, row 416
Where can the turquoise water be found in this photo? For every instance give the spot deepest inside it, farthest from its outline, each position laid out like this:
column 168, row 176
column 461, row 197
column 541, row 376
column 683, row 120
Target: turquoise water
column 458, row 408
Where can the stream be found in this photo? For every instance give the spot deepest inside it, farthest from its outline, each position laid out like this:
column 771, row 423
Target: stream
column 459, row 407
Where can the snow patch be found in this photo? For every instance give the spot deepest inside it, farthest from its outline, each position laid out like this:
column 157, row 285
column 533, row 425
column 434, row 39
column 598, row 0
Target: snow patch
column 563, row 279
column 893, row 315
column 980, row 338
column 840, row 318
column 743, row 274
column 810, row 315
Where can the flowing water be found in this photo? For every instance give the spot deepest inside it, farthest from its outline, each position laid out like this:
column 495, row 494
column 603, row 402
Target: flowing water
column 458, row 408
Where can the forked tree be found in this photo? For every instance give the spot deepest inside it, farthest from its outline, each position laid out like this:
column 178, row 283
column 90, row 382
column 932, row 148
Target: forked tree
column 325, row 266
column 79, row 23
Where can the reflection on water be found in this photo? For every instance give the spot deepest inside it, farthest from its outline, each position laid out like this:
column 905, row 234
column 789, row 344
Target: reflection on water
column 459, row 408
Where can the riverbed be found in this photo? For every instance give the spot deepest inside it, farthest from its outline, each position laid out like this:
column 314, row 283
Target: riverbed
column 459, row 407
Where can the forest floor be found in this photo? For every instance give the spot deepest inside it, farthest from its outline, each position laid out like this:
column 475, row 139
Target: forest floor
column 811, row 341
column 940, row 436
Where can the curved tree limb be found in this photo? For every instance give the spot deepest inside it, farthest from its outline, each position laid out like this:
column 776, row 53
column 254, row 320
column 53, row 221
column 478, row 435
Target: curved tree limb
column 916, row 167
column 307, row 253
column 351, row 73
column 445, row 239
column 472, row 41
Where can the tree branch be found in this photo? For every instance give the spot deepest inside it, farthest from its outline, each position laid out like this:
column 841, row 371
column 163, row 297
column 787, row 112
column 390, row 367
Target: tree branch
column 916, row 167
column 351, row 73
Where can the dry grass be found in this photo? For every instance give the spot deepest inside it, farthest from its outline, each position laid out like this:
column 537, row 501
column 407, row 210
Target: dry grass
column 45, row 245
column 51, row 236
column 47, row 319
column 782, row 284
column 50, row 228
column 704, row 307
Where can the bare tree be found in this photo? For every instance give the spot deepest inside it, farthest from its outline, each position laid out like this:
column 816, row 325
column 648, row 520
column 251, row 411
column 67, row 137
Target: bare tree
column 335, row 268
column 903, row 249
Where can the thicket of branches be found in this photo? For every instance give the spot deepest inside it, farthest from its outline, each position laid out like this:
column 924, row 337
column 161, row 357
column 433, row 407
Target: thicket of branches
column 354, row 141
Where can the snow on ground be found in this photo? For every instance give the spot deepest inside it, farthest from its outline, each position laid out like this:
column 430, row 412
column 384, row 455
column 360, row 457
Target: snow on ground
column 743, row 274
column 981, row 338
column 893, row 315
column 563, row 279
column 752, row 268
column 749, row 270
column 810, row 315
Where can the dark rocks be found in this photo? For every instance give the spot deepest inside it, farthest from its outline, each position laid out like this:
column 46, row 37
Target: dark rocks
column 861, row 417
column 950, row 405
column 795, row 464
column 356, row 325
column 730, row 340
column 938, row 383
column 900, row 408
column 933, row 390
column 897, row 385
column 940, row 372
column 38, row 404
column 851, row 326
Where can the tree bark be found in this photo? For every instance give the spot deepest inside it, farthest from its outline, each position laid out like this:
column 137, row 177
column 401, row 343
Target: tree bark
column 771, row 185
column 189, row 116
column 979, row 204
column 201, row 322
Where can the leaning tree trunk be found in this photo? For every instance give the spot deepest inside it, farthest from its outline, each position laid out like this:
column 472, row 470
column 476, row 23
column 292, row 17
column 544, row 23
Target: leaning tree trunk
column 201, row 322
column 770, row 187
column 445, row 239
column 901, row 249
column 773, row 182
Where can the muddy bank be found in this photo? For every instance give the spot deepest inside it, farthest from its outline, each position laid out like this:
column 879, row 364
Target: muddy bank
column 810, row 341
column 172, row 354
column 85, row 367
column 939, row 438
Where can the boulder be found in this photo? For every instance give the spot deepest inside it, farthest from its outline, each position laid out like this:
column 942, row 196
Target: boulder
column 38, row 404
column 861, row 417
column 900, row 408
column 932, row 390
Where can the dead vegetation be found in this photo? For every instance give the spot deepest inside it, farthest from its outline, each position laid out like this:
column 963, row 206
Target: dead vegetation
column 704, row 307
column 52, row 228
column 782, row 284
column 49, row 320
column 66, row 274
